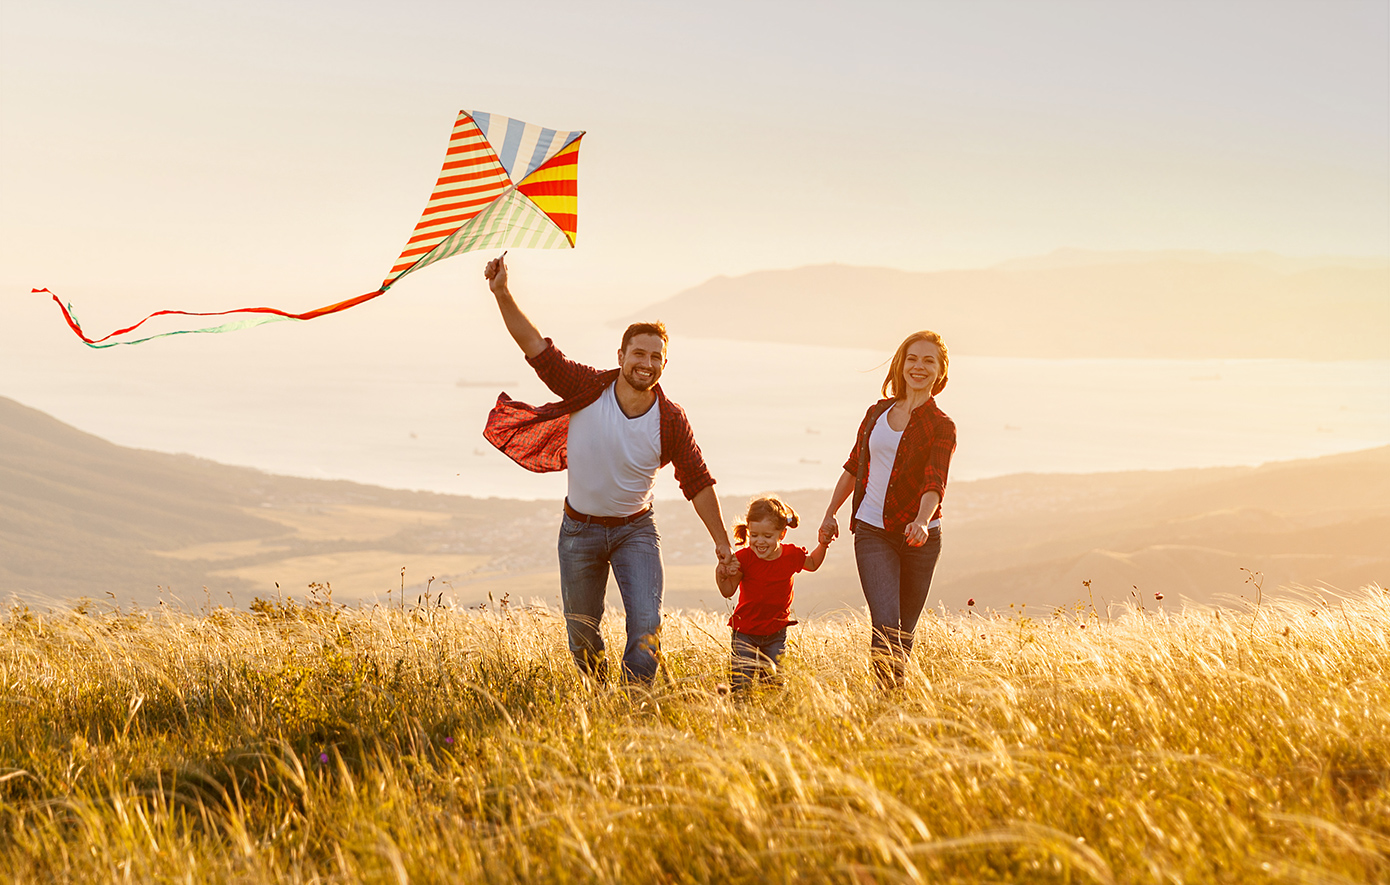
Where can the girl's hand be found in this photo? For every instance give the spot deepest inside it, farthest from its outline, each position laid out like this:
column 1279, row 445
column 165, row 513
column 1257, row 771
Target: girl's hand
column 915, row 533
column 829, row 531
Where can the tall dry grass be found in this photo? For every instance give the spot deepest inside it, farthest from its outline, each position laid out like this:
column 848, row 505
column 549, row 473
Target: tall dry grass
column 315, row 743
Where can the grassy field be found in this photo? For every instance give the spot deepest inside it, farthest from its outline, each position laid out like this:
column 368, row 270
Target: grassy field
column 310, row 742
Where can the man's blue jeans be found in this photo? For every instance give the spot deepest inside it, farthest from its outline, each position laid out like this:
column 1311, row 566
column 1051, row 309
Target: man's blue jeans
column 755, row 657
column 634, row 552
column 896, row 577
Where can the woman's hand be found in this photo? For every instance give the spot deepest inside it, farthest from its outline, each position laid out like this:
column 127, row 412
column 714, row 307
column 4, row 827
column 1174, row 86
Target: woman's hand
column 829, row 531
column 829, row 528
column 916, row 533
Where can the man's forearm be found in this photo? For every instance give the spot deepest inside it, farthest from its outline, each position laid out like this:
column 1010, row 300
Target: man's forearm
column 523, row 331
column 706, row 504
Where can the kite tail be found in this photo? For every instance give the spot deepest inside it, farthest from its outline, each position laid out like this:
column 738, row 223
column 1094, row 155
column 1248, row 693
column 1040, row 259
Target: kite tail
column 262, row 316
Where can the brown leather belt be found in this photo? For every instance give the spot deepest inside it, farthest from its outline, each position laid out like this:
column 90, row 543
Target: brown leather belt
column 606, row 521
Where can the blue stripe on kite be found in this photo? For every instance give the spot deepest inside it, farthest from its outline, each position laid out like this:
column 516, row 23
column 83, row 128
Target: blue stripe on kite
column 507, row 155
column 538, row 155
column 483, row 119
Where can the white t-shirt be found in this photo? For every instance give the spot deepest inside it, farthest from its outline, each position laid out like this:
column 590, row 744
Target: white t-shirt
column 613, row 459
column 883, row 450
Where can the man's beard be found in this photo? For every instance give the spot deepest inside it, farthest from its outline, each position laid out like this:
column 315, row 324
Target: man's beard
column 630, row 376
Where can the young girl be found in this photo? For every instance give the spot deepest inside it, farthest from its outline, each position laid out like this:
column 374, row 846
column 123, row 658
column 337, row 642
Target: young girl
column 763, row 572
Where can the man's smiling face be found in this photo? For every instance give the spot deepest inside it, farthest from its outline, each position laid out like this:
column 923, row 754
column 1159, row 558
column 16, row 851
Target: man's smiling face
column 642, row 361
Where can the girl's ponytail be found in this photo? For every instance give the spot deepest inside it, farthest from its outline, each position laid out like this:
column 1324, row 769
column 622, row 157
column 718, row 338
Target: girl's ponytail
column 768, row 508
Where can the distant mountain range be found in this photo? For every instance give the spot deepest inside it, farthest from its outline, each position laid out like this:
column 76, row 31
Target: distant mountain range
column 81, row 517
column 1072, row 303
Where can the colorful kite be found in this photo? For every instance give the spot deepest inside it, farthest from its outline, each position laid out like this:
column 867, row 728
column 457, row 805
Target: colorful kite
column 505, row 184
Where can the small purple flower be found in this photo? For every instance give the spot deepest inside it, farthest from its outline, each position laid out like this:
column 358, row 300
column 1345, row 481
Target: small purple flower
column 449, row 740
column 323, row 757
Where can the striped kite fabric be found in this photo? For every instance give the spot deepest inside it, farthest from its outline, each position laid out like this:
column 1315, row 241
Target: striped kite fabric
column 505, row 183
column 475, row 204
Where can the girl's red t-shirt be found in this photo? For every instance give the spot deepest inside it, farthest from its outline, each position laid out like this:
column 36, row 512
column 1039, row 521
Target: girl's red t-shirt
column 765, row 591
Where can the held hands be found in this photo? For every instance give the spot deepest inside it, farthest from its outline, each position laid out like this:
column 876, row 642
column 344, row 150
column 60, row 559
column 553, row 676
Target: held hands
column 727, row 574
column 725, row 554
column 829, row 531
column 731, row 570
column 496, row 274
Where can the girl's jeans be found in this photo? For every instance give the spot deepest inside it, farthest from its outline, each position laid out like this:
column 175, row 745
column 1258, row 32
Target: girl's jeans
column 756, row 657
column 895, row 577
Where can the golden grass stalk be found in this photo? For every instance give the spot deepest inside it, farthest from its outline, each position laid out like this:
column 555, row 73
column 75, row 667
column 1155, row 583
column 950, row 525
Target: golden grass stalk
column 318, row 743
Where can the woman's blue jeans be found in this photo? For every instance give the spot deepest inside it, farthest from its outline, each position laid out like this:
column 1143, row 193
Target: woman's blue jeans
column 896, row 578
column 586, row 552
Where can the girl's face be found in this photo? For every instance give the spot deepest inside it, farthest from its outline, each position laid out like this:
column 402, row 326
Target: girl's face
column 765, row 538
column 921, row 366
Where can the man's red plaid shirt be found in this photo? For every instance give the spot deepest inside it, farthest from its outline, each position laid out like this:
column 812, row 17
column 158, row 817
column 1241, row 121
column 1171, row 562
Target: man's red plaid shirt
column 921, row 465
column 537, row 437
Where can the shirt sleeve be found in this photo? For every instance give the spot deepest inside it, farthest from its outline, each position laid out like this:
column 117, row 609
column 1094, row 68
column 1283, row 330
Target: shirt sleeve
column 565, row 377
column 943, row 445
column 679, row 448
column 798, row 556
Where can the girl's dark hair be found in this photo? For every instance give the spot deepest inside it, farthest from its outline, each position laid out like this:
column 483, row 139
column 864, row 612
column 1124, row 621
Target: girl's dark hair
column 769, row 508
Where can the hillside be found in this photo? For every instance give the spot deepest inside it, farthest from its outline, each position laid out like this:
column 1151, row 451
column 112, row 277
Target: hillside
column 80, row 516
column 1318, row 523
column 1071, row 304
column 1035, row 539
column 83, row 517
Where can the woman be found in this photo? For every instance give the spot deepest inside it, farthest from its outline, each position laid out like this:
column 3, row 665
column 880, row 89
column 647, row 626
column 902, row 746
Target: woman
column 897, row 472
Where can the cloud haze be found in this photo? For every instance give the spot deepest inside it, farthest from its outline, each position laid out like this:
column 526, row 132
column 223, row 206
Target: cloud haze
column 201, row 154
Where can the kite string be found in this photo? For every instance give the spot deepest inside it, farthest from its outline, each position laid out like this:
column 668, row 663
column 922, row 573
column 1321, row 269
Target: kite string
column 307, row 315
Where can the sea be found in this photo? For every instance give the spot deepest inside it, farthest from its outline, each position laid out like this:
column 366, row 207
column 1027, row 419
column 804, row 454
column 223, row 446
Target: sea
column 408, row 412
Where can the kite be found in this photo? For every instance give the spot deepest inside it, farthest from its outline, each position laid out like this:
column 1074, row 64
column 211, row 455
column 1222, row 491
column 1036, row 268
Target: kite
column 505, row 184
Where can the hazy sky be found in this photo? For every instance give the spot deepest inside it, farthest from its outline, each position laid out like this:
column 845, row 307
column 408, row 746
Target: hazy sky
column 170, row 154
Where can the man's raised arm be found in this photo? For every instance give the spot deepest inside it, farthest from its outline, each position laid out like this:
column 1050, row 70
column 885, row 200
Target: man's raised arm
column 523, row 331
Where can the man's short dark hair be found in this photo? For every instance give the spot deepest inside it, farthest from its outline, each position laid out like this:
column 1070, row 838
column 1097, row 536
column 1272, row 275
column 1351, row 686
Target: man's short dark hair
column 657, row 328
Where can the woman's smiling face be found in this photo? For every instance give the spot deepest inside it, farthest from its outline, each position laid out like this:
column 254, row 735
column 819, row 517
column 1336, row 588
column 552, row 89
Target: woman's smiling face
column 921, row 366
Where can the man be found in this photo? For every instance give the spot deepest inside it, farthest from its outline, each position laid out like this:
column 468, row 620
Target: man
column 613, row 430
